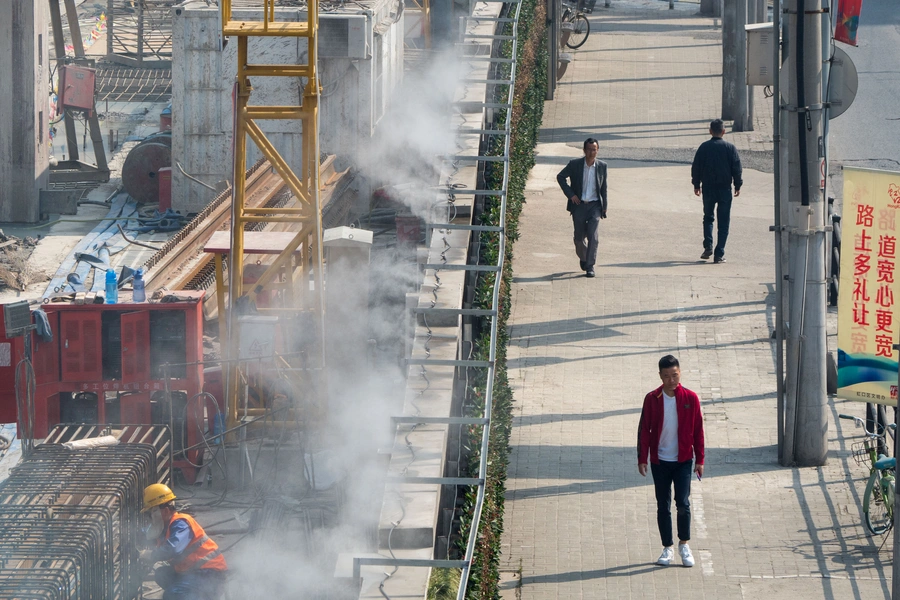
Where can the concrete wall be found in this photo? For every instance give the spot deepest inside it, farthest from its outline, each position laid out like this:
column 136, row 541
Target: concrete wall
column 203, row 79
column 24, row 138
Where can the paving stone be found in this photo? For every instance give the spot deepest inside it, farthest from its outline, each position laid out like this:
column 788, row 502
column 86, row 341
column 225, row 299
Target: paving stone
column 580, row 520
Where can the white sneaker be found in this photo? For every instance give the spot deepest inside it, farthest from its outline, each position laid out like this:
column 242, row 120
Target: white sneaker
column 666, row 558
column 687, row 559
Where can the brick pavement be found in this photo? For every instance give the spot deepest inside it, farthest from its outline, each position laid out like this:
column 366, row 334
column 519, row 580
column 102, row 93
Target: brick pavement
column 580, row 519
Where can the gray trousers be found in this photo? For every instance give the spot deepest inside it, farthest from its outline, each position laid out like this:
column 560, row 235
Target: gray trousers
column 586, row 219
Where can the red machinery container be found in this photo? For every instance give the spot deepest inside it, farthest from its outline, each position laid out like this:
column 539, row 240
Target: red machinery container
column 165, row 188
column 45, row 362
column 109, row 363
column 76, row 87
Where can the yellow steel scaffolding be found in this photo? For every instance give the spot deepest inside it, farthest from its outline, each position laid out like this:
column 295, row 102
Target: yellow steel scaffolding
column 302, row 255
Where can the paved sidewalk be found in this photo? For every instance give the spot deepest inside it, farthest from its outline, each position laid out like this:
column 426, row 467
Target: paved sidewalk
column 580, row 520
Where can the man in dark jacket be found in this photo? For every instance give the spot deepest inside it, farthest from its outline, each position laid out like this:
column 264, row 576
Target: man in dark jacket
column 670, row 433
column 716, row 166
column 586, row 195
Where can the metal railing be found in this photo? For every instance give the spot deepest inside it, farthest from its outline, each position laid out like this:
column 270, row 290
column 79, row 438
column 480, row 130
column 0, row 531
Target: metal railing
column 481, row 480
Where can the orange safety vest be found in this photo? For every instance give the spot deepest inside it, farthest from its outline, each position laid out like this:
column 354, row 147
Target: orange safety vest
column 201, row 552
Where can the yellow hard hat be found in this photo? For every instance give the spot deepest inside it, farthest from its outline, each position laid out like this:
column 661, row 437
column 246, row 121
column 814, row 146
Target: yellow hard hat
column 157, row 495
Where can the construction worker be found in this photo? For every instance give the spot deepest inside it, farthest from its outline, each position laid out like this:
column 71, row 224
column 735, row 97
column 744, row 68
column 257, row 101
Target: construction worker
column 196, row 569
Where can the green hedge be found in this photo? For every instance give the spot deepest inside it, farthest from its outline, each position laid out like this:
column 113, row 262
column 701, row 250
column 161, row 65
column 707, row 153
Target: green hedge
column 527, row 113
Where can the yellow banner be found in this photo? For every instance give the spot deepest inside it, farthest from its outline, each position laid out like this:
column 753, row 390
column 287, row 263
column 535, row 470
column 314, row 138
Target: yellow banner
column 868, row 321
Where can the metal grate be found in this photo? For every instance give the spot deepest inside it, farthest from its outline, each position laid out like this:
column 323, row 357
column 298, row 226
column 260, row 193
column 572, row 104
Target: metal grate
column 70, row 519
column 699, row 318
column 126, row 84
column 139, row 31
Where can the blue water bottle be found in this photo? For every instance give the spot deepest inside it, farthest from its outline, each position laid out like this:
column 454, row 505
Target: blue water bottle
column 137, row 285
column 112, row 287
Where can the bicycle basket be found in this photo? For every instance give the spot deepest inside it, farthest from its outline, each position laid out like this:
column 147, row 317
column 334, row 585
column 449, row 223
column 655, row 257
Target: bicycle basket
column 589, row 6
column 860, row 452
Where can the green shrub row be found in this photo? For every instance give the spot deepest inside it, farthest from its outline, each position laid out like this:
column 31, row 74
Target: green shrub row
column 527, row 114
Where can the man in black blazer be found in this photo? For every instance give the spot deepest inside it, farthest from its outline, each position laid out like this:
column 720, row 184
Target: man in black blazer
column 586, row 194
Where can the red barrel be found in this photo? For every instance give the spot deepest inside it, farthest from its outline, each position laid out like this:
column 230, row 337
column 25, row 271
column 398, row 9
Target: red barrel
column 165, row 188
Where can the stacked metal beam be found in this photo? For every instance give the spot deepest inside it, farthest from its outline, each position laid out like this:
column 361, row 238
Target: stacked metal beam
column 70, row 522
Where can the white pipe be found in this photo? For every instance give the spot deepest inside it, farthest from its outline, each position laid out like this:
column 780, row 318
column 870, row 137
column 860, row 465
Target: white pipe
column 90, row 443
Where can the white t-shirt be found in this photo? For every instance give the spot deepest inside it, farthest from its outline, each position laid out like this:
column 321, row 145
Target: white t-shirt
column 589, row 183
column 668, row 439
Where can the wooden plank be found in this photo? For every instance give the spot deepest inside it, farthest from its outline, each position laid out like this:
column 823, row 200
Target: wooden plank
column 255, row 242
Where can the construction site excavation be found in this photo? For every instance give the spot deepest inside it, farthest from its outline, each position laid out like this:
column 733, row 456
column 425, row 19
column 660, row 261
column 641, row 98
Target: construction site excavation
column 238, row 269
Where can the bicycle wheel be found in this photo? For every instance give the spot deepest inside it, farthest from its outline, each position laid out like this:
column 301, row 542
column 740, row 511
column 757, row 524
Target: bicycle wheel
column 580, row 33
column 876, row 507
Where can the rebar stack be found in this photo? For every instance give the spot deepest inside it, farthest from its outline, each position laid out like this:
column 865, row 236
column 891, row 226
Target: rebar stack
column 70, row 522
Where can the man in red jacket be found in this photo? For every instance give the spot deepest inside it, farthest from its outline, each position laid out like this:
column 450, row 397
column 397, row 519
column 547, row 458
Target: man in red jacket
column 671, row 433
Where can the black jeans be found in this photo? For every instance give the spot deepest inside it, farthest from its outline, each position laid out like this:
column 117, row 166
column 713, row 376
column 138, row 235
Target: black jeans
column 716, row 205
column 664, row 475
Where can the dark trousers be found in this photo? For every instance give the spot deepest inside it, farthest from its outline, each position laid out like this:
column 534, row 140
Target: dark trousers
column 716, row 205
column 586, row 219
column 664, row 475
column 200, row 584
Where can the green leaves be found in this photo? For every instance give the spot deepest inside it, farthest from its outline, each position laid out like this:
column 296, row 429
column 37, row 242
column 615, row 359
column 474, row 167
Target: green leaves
column 527, row 115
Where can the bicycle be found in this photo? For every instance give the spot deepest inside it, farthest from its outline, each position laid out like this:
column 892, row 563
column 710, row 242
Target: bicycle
column 878, row 500
column 581, row 27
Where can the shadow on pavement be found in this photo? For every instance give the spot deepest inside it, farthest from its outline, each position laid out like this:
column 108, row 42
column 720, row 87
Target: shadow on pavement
column 717, row 45
column 583, row 330
column 541, row 419
column 543, row 361
column 551, row 277
column 667, row 78
column 699, row 308
column 664, row 263
column 618, row 26
column 620, row 571
column 611, row 468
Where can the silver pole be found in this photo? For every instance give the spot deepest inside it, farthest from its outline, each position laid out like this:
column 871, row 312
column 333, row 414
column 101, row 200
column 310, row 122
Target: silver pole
column 779, row 272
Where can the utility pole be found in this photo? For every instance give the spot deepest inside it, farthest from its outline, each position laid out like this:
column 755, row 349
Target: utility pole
column 734, row 64
column 730, row 50
column 806, row 421
column 741, row 107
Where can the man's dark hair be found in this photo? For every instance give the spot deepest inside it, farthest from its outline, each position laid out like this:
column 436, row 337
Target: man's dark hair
column 668, row 361
column 717, row 126
column 588, row 142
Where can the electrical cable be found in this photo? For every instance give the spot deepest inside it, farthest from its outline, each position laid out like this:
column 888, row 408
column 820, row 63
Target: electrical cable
column 394, row 525
column 214, row 455
column 25, row 377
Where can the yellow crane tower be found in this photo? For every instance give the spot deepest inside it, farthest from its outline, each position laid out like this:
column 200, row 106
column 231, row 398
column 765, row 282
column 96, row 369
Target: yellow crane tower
column 299, row 261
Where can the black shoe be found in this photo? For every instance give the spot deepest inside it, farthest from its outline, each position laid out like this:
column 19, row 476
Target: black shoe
column 719, row 259
column 583, row 265
column 590, row 273
column 706, row 254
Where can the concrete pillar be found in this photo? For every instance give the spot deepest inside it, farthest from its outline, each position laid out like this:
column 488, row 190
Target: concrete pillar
column 24, row 109
column 346, row 305
column 742, row 92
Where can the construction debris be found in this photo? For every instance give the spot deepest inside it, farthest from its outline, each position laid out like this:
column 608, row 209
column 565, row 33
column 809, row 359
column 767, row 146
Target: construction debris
column 15, row 272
